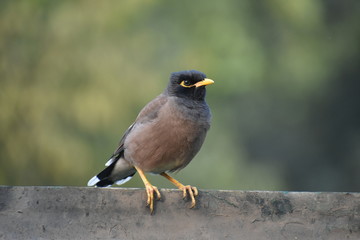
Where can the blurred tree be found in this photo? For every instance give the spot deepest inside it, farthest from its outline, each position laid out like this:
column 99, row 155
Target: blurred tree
column 74, row 74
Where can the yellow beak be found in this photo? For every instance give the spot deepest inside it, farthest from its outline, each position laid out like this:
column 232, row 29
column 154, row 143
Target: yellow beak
column 204, row 82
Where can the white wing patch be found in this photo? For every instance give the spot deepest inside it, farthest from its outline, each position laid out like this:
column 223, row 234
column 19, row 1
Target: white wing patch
column 108, row 163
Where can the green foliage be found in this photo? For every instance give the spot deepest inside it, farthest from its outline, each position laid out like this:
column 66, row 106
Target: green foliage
column 74, row 74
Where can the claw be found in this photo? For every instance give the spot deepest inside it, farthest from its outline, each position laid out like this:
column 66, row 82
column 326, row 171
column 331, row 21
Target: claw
column 193, row 192
column 150, row 189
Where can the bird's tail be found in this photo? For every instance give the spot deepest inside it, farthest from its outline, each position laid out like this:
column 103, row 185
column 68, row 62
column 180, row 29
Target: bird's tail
column 117, row 171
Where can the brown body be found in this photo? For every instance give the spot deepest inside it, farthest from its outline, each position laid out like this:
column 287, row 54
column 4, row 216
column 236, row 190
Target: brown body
column 165, row 142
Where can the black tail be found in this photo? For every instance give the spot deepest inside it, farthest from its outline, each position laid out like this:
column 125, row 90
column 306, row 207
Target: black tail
column 108, row 177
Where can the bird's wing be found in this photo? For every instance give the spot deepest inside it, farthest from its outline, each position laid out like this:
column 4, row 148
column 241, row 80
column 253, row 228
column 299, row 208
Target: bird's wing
column 151, row 110
column 118, row 152
column 147, row 114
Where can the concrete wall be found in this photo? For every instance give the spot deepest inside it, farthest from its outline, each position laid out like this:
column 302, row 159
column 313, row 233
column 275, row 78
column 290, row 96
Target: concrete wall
column 118, row 213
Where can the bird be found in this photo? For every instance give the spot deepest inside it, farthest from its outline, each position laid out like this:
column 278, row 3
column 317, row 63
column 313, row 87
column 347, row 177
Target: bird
column 165, row 136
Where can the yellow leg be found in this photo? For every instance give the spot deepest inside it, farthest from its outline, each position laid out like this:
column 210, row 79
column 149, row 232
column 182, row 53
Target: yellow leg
column 186, row 189
column 150, row 189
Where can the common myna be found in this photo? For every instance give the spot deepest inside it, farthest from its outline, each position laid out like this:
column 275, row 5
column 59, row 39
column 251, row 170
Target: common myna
column 166, row 135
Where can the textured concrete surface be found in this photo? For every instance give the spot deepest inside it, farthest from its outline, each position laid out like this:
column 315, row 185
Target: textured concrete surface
column 118, row 213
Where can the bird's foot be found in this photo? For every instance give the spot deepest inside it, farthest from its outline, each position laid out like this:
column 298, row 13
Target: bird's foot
column 193, row 192
column 150, row 190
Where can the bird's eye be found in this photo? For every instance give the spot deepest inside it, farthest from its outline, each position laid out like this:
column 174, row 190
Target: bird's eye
column 186, row 83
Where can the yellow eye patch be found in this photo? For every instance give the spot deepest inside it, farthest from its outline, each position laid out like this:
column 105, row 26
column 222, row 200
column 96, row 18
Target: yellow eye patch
column 186, row 83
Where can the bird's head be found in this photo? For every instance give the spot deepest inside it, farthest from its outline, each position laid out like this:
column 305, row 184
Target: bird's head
column 188, row 84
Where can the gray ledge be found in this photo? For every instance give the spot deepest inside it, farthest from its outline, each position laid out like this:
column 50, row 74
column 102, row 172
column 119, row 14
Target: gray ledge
column 121, row 213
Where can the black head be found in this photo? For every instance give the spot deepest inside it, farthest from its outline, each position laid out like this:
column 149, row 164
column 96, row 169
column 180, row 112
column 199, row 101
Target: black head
column 188, row 84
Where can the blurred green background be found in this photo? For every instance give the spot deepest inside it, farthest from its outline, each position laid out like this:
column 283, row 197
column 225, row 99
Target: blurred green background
column 285, row 103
